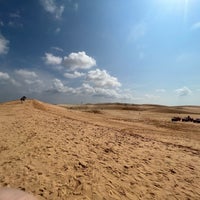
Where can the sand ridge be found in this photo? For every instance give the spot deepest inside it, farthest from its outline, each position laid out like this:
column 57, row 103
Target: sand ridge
column 63, row 153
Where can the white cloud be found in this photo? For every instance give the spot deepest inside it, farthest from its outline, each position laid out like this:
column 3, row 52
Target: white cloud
column 31, row 82
column 26, row 74
column 50, row 59
column 51, row 7
column 195, row 26
column 101, row 78
column 74, row 75
column 105, row 92
column 112, row 93
column 58, row 86
column 14, row 82
column 79, row 60
column 4, row 76
column 87, row 89
column 184, row 91
column 3, row 45
column 57, row 49
column 96, row 83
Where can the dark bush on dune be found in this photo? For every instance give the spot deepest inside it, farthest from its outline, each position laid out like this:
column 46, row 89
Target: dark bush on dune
column 175, row 119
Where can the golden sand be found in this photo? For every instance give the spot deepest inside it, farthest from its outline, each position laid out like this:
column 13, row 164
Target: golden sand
column 99, row 152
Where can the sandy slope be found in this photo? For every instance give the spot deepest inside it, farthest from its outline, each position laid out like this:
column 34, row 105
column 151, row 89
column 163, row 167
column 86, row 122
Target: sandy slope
column 59, row 153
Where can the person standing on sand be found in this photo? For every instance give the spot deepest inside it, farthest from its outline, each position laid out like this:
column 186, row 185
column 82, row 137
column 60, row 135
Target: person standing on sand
column 14, row 194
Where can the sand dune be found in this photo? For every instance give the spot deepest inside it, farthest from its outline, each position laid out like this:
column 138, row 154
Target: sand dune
column 99, row 152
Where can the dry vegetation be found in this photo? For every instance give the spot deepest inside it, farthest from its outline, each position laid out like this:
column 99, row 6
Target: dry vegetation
column 103, row 151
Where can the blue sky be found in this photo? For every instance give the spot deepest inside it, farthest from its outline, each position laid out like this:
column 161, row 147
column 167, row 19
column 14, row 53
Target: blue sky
column 75, row 51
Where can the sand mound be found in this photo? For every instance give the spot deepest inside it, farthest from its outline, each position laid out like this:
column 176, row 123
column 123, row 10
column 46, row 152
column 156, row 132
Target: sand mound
column 39, row 105
column 61, row 153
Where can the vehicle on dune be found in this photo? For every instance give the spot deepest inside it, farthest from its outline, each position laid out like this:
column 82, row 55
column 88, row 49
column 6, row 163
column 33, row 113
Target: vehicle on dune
column 187, row 119
column 196, row 120
column 23, row 99
column 176, row 119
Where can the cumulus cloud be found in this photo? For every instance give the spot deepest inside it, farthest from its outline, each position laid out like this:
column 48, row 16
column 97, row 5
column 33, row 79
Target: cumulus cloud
column 14, row 82
column 31, row 82
column 79, row 60
column 184, row 91
column 4, row 45
column 99, row 83
column 50, row 59
column 195, row 26
column 74, row 75
column 58, row 86
column 26, row 74
column 102, row 78
column 51, row 7
column 34, row 83
column 87, row 89
column 4, row 76
column 96, row 83
column 26, row 77
column 112, row 93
